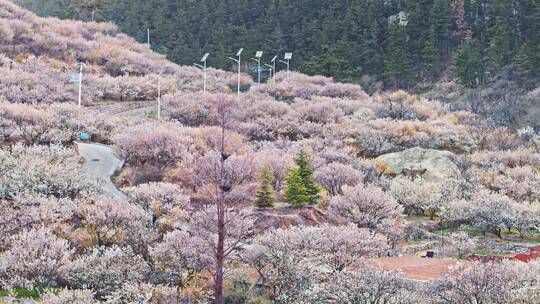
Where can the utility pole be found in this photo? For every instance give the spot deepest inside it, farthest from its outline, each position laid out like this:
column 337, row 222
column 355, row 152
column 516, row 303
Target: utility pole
column 148, row 36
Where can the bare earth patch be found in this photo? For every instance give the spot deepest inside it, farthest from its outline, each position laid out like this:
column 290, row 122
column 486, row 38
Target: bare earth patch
column 418, row 268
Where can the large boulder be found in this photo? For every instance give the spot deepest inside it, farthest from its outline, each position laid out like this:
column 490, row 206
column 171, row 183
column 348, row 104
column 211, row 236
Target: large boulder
column 432, row 165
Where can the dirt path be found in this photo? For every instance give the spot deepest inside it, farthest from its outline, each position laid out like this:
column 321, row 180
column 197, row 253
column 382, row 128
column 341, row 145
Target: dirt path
column 418, row 268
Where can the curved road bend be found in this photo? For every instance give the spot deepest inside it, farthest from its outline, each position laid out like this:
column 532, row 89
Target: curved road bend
column 100, row 162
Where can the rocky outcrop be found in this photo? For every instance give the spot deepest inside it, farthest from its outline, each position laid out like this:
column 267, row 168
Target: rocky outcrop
column 433, row 165
column 290, row 216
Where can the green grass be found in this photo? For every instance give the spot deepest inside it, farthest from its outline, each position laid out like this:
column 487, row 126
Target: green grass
column 24, row 293
column 471, row 231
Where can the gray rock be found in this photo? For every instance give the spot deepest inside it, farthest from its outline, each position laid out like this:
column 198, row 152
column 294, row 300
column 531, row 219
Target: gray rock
column 432, row 165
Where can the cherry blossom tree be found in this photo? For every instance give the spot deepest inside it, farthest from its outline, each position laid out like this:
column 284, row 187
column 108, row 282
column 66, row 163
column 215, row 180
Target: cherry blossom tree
column 491, row 212
column 155, row 144
column 105, row 270
column 164, row 202
column 365, row 285
column 335, row 175
column 66, row 296
column 479, row 283
column 34, row 257
column 46, row 170
column 147, row 293
column 418, row 196
column 289, row 259
column 30, row 123
column 180, row 257
column 109, row 222
column 369, row 207
column 525, row 217
column 462, row 243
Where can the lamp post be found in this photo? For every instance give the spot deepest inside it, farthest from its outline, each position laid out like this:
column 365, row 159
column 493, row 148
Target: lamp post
column 81, row 67
column 273, row 68
column 158, row 101
column 203, row 67
column 270, row 69
column 288, row 57
column 238, row 61
column 257, row 59
column 158, row 113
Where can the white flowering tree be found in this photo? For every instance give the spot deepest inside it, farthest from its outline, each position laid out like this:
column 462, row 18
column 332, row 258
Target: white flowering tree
column 370, row 207
column 105, row 270
column 34, row 256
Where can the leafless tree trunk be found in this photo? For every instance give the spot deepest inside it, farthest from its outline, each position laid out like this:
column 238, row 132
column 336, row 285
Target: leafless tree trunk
column 220, row 205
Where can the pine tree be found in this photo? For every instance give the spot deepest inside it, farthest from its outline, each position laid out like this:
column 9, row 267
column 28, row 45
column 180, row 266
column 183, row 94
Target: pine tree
column 265, row 195
column 397, row 66
column 306, row 173
column 468, row 66
column 441, row 21
column 430, row 57
column 524, row 65
column 295, row 193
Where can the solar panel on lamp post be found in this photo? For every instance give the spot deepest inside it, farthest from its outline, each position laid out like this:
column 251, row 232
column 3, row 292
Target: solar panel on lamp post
column 203, row 67
column 238, row 61
column 257, row 59
column 270, row 68
column 288, row 57
column 274, row 68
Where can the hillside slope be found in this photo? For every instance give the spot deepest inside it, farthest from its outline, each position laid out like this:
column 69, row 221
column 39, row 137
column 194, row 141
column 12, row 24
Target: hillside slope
column 38, row 55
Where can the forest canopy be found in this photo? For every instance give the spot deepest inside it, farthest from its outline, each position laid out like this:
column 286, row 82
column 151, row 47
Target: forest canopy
column 399, row 43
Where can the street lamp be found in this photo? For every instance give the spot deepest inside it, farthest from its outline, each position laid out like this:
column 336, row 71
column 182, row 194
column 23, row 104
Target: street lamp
column 203, row 67
column 273, row 68
column 270, row 68
column 288, row 57
column 81, row 67
column 257, row 59
column 158, row 111
column 238, row 61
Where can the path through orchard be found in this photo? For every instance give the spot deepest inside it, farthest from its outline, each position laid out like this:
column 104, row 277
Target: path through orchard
column 101, row 162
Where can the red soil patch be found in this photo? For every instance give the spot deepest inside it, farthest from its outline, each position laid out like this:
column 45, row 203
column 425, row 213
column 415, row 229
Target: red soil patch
column 418, row 268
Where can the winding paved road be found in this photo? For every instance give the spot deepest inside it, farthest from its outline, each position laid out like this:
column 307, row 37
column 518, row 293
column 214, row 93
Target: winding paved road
column 101, row 162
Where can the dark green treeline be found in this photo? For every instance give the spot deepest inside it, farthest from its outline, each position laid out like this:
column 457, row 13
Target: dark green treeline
column 346, row 39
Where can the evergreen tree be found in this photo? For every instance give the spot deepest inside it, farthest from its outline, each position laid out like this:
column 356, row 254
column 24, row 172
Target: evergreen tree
column 265, row 195
column 397, row 66
column 306, row 173
column 295, row 193
column 441, row 21
column 524, row 66
column 430, row 57
column 468, row 66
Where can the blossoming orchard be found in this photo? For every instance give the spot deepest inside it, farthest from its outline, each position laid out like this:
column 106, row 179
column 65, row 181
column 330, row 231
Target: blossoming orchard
column 245, row 189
